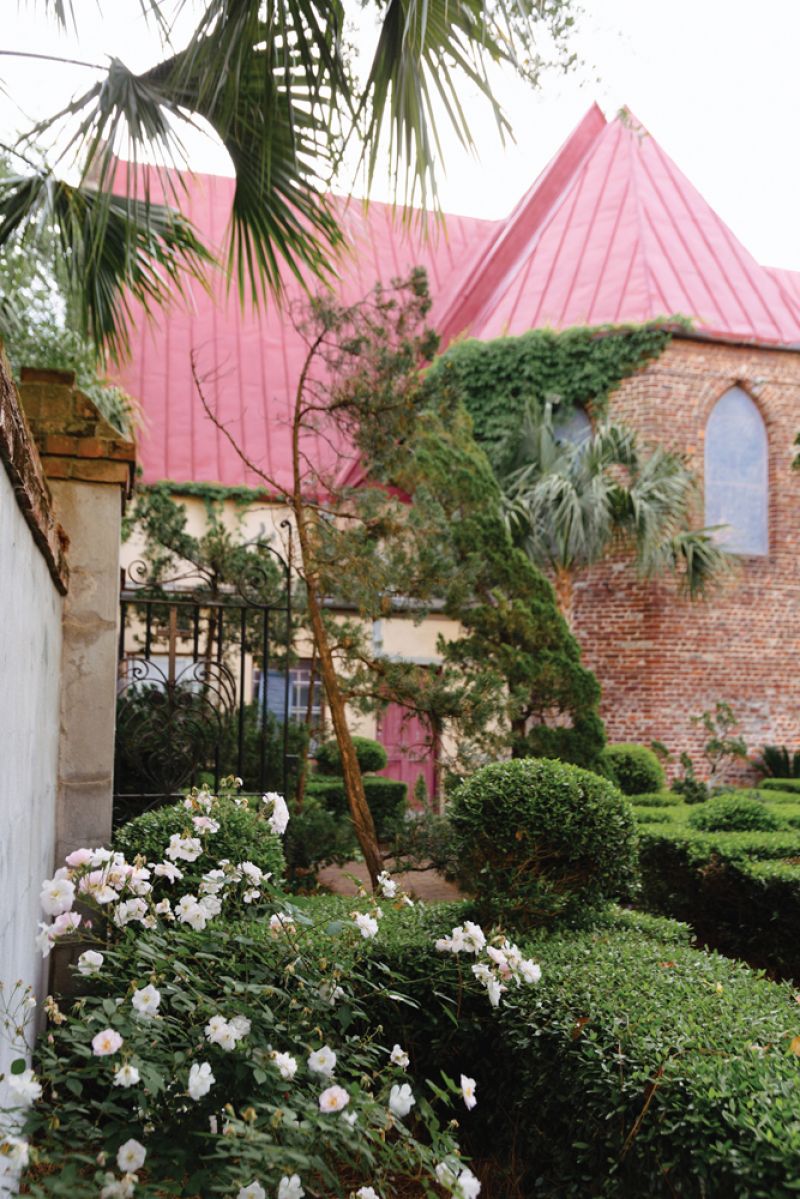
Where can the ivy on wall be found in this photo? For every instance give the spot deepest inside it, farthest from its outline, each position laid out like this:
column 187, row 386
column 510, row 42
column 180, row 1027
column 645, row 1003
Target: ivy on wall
column 496, row 379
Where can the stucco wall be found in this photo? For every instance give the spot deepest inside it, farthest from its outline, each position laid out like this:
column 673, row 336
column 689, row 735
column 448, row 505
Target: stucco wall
column 30, row 655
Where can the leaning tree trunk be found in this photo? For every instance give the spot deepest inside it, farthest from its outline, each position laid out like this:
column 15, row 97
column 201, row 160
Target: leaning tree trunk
column 359, row 809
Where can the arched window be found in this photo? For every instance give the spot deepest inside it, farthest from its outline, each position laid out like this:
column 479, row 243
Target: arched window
column 573, row 426
column 736, row 473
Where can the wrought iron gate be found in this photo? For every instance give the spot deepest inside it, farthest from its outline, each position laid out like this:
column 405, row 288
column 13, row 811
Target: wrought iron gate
column 203, row 683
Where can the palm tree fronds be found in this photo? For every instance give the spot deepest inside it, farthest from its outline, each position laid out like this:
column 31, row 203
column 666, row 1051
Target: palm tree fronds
column 116, row 250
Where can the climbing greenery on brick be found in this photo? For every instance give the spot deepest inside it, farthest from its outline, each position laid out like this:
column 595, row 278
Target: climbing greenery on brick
column 577, row 367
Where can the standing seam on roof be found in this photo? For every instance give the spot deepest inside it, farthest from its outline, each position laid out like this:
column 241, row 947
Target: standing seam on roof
column 609, row 246
column 667, row 306
column 637, row 207
column 601, row 191
column 577, row 184
column 624, row 288
column 694, row 308
column 734, row 292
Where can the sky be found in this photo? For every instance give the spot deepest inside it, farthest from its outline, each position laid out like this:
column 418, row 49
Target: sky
column 716, row 82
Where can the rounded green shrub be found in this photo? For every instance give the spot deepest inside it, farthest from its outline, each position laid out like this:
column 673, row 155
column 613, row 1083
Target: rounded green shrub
column 726, row 813
column 634, row 768
column 242, row 837
column 371, row 756
column 539, row 840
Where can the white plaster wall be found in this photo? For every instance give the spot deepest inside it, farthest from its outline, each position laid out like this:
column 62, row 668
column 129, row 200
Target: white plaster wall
column 30, row 656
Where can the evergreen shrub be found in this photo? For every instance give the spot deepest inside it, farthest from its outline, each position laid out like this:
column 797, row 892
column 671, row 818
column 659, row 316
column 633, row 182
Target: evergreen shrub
column 605, row 1078
column 634, row 768
column 386, row 798
column 658, row 799
column 728, row 813
column 371, row 756
column 539, row 840
column 316, row 837
column 785, row 785
column 741, row 891
column 242, row 837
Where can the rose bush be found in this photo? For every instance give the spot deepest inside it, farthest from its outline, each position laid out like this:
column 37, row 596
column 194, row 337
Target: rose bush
column 220, row 1041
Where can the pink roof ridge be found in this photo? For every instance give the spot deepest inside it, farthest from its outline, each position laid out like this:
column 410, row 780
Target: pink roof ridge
column 611, row 232
column 624, row 237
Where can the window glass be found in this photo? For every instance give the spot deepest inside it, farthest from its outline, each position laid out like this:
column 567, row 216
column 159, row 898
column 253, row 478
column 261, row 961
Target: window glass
column 574, row 426
column 736, row 474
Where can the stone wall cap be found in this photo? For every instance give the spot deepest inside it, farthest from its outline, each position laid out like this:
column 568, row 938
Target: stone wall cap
column 39, row 374
column 20, row 458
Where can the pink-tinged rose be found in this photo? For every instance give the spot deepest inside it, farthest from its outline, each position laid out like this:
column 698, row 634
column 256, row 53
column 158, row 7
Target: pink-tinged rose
column 106, row 1042
column 79, row 857
column 67, row 922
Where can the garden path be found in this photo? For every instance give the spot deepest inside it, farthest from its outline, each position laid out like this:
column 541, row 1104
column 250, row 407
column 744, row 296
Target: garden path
column 420, row 884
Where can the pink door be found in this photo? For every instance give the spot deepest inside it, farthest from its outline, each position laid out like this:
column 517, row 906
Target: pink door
column 407, row 741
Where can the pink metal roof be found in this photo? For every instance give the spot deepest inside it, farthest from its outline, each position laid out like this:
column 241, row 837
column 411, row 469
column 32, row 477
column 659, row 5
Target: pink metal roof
column 251, row 361
column 626, row 238
column 610, row 232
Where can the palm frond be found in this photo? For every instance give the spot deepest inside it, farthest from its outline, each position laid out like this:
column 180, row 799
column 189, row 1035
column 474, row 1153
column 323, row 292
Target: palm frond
column 426, row 49
column 276, row 132
column 568, row 503
column 116, row 250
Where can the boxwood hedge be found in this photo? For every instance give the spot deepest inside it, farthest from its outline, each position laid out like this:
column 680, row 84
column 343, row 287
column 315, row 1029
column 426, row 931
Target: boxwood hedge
column 740, row 891
column 637, row 1067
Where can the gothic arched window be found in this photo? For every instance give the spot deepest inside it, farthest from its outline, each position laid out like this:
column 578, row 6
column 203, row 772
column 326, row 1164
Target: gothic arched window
column 736, row 474
column 573, row 426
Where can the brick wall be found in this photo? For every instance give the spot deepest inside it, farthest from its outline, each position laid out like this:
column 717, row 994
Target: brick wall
column 660, row 658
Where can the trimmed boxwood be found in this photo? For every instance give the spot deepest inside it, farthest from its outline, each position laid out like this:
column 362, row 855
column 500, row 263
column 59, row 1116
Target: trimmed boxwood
column 387, row 799
column 658, row 799
column 785, row 785
column 370, row 754
column 638, row 1066
column 634, row 768
column 731, row 813
column 740, row 891
column 539, row 840
column 241, row 837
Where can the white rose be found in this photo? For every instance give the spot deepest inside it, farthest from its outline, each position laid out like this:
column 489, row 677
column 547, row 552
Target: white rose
column 25, row 1087
column 322, row 1061
column 401, row 1100
column 57, row 896
column 287, row 1065
column 130, row 1156
column 146, row 1001
column 201, row 1080
column 90, row 963
column 126, row 1076
column 333, row 1099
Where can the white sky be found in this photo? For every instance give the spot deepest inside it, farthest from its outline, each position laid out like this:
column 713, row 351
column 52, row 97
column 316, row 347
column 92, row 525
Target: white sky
column 715, row 81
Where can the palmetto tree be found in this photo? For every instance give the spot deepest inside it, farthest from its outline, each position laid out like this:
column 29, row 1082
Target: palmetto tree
column 570, row 503
column 280, row 87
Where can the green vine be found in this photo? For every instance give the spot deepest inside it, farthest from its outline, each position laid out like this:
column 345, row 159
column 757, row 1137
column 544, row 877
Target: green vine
column 579, row 367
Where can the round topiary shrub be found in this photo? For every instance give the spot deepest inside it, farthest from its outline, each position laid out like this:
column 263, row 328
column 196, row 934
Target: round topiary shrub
column 241, row 837
column 634, row 768
column 371, row 756
column 539, row 840
column 727, row 814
